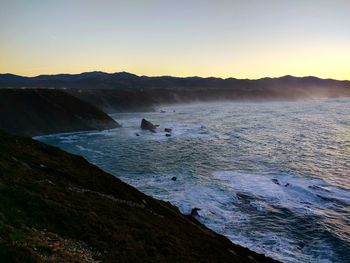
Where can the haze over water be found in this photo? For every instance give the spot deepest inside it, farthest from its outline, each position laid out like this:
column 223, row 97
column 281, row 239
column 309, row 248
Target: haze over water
column 271, row 176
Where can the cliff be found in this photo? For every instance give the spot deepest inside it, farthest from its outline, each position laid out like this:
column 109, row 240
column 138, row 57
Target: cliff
column 57, row 207
column 33, row 112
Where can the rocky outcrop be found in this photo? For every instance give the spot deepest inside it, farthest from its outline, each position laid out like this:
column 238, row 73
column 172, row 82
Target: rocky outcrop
column 147, row 125
column 194, row 212
column 32, row 112
column 57, row 207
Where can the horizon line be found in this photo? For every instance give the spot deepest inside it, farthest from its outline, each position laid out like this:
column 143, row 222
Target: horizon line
column 172, row 76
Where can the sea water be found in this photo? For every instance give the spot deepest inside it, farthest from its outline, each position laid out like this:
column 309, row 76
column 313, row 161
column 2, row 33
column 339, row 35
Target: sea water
column 274, row 176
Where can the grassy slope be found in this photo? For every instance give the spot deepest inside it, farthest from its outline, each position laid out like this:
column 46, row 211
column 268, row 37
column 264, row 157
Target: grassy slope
column 55, row 206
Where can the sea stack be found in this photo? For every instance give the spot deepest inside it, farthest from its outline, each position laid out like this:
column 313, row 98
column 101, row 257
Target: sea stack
column 147, row 125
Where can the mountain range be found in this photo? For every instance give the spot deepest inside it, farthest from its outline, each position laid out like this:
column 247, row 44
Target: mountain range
column 123, row 91
column 98, row 79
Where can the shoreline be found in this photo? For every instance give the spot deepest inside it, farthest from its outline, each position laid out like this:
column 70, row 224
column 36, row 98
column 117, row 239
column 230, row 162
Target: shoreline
column 87, row 184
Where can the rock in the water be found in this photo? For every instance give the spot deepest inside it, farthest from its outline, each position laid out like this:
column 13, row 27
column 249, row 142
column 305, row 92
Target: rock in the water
column 174, row 178
column 167, row 129
column 194, row 212
column 147, row 125
column 275, row 181
column 167, row 134
column 137, row 134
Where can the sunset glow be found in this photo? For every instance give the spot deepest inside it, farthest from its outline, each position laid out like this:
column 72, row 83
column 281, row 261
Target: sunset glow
column 242, row 39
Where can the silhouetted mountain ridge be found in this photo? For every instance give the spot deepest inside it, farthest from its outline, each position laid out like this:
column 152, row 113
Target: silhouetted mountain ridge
column 125, row 79
column 123, row 91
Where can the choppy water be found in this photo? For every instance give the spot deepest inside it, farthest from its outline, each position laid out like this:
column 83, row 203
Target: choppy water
column 274, row 177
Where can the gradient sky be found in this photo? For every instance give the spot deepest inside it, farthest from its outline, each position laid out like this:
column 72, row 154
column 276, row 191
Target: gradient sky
column 243, row 39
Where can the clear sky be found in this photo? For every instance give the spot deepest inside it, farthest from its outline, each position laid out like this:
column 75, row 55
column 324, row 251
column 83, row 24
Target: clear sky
column 223, row 38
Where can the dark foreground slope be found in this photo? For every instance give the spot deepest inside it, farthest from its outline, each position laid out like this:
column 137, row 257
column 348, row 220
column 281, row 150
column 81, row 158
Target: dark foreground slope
column 57, row 207
column 33, row 112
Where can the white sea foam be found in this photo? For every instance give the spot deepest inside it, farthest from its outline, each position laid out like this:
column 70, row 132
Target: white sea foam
column 131, row 129
column 220, row 208
column 291, row 218
column 303, row 195
column 82, row 148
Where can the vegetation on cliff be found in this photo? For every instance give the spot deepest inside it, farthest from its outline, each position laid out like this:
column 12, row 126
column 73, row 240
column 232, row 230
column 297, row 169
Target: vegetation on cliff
column 57, row 207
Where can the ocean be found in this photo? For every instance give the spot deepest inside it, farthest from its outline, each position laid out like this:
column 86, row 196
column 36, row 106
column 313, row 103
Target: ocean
column 271, row 176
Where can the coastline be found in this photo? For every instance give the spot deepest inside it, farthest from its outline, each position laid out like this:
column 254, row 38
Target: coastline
column 53, row 191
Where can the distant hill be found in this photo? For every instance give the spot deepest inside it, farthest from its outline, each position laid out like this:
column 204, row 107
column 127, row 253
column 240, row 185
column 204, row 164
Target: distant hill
column 33, row 112
column 122, row 80
column 128, row 92
column 57, row 207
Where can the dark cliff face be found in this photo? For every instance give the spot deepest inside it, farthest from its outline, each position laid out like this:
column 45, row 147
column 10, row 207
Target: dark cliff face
column 56, row 207
column 33, row 112
column 127, row 92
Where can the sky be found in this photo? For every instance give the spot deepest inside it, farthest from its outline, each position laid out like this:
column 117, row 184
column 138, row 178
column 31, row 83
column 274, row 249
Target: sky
column 221, row 38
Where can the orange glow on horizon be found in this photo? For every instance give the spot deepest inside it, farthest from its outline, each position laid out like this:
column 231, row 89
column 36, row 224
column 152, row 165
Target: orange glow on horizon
column 221, row 39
